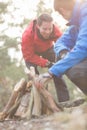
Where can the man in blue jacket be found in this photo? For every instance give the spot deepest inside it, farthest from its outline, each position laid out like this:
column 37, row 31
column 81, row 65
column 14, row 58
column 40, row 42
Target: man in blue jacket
column 72, row 46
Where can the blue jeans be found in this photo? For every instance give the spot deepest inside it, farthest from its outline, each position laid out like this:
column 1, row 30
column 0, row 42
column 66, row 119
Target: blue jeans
column 60, row 86
column 78, row 75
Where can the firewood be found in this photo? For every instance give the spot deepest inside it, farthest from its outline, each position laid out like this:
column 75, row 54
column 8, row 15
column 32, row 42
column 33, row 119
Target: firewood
column 23, row 105
column 28, row 114
column 48, row 99
column 20, row 86
column 37, row 108
column 27, row 100
column 22, row 101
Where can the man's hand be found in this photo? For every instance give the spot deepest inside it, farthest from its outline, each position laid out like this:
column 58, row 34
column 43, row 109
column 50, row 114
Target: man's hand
column 42, row 79
column 49, row 64
column 39, row 80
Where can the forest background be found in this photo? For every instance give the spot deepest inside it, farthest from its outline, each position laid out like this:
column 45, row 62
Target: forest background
column 14, row 18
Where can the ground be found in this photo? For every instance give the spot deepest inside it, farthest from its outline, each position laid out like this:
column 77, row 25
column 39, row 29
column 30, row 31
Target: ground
column 71, row 119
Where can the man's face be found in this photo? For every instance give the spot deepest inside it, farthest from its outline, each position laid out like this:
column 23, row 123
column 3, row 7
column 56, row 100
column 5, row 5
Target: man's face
column 66, row 13
column 46, row 29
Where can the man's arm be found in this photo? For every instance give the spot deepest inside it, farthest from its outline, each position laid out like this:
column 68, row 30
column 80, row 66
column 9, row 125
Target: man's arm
column 79, row 51
column 29, row 51
column 66, row 41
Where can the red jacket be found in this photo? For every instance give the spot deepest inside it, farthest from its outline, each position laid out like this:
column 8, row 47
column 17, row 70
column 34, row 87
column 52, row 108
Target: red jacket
column 33, row 44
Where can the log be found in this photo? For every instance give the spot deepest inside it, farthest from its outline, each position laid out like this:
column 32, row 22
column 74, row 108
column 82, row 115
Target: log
column 28, row 114
column 49, row 100
column 20, row 86
column 37, row 107
column 20, row 107
column 21, row 110
column 45, row 95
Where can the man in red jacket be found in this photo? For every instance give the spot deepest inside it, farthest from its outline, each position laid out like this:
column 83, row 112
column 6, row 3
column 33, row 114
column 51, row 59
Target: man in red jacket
column 37, row 48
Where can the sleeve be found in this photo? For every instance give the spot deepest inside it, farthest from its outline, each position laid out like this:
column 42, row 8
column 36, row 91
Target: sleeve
column 67, row 40
column 28, row 51
column 79, row 51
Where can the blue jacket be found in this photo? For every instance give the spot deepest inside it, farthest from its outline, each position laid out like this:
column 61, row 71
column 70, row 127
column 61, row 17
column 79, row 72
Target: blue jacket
column 74, row 40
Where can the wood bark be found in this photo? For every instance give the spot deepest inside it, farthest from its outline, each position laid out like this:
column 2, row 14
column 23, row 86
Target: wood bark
column 49, row 101
column 27, row 100
column 10, row 106
column 44, row 95
column 28, row 114
column 37, row 107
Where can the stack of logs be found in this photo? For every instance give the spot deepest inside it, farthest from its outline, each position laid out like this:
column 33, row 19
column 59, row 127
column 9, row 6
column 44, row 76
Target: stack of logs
column 26, row 101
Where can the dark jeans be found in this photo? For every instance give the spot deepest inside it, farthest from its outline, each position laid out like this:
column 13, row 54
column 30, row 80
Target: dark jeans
column 78, row 75
column 60, row 86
